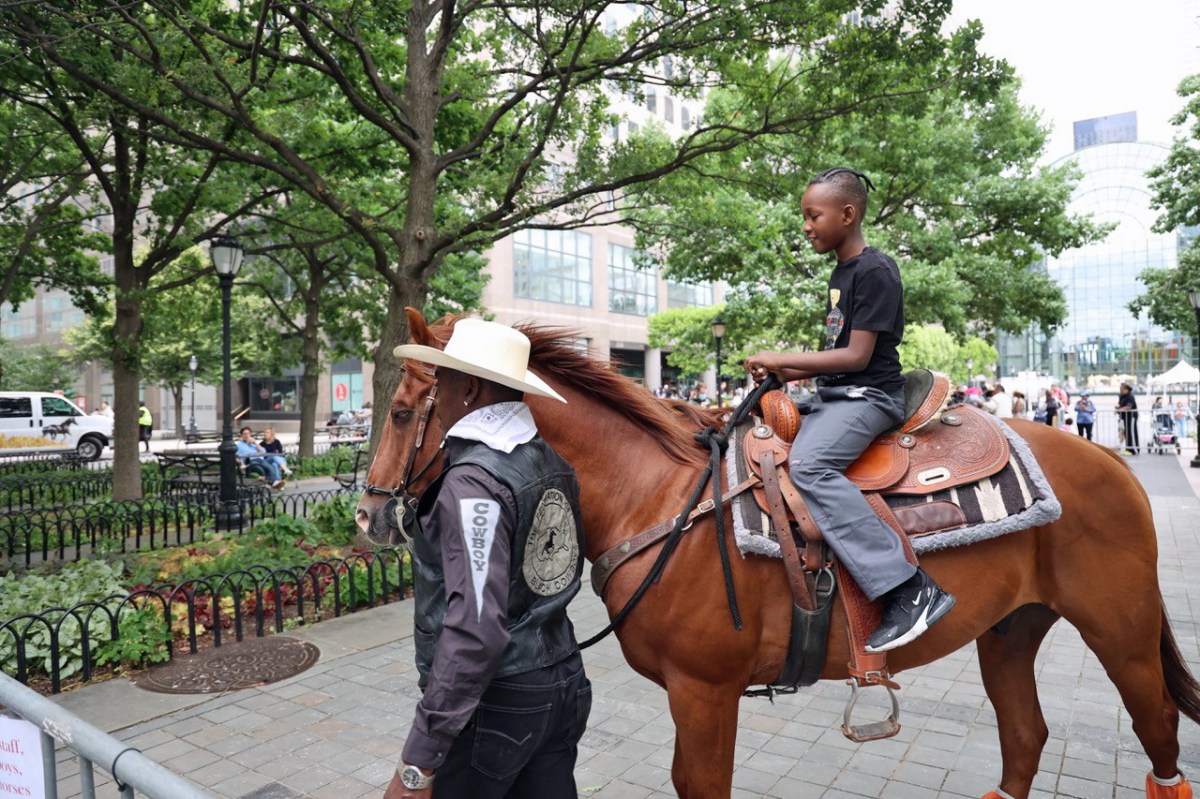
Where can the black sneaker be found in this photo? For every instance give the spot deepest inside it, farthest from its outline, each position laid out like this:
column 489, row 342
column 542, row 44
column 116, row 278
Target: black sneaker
column 912, row 607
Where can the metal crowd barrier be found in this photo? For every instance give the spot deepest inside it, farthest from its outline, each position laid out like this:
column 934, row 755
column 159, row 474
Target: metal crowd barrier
column 130, row 769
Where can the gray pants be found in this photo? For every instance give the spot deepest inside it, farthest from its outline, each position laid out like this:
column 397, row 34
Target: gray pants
column 843, row 422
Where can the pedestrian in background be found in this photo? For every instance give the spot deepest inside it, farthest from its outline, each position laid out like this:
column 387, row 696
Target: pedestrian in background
column 145, row 425
column 1020, row 408
column 1127, row 411
column 1181, row 419
column 1085, row 414
column 1004, row 406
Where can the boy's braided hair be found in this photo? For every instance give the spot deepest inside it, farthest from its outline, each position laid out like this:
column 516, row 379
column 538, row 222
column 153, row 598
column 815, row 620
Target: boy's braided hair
column 850, row 184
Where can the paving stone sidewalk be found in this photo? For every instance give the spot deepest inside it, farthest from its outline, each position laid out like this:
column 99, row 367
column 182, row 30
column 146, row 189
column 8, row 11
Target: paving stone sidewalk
column 334, row 731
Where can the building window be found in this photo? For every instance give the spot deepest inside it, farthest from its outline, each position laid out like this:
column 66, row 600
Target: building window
column 684, row 295
column 346, row 385
column 275, row 394
column 651, row 99
column 631, row 289
column 553, row 265
column 669, row 109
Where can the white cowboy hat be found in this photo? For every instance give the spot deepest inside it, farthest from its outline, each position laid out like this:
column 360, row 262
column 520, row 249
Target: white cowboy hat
column 489, row 350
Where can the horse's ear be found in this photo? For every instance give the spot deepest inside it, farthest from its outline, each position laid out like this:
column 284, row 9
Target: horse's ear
column 418, row 331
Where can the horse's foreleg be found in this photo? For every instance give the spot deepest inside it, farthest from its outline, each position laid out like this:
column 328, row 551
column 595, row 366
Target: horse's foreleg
column 705, row 717
column 1007, row 665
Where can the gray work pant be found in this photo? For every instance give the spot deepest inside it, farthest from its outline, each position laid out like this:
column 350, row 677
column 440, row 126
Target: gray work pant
column 844, row 420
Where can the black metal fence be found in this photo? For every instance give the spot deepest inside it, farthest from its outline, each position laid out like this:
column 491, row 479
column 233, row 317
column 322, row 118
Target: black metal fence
column 249, row 601
column 55, row 488
column 74, row 532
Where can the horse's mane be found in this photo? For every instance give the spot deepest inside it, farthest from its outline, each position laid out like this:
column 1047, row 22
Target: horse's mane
column 672, row 424
column 553, row 352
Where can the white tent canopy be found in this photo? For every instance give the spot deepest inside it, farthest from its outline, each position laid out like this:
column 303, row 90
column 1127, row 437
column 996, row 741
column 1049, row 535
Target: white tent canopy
column 1182, row 372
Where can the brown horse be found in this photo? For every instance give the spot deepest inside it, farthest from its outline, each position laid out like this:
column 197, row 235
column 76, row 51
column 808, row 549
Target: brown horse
column 637, row 464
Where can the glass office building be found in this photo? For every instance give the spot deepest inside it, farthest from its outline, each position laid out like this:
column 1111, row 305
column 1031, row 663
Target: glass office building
column 1101, row 339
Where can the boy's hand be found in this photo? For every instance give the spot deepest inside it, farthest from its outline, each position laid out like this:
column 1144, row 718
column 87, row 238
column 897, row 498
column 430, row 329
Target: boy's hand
column 762, row 364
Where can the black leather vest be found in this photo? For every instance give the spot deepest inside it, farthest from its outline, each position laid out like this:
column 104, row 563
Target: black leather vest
column 545, row 567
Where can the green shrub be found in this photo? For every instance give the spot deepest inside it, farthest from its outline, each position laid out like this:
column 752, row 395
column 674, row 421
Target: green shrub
column 143, row 639
column 34, row 593
column 335, row 520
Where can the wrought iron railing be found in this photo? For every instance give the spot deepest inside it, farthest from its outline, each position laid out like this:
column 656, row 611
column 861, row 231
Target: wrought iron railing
column 74, row 532
column 254, row 600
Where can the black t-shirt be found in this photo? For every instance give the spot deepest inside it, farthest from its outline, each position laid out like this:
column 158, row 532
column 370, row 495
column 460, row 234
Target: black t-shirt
column 865, row 293
column 1126, row 402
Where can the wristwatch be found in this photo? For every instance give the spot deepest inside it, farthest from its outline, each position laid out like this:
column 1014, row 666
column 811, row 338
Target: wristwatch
column 414, row 779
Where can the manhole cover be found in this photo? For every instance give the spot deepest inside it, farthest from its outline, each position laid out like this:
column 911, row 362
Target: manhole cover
column 254, row 661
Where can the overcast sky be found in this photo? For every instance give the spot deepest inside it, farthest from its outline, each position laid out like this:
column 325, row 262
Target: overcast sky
column 1079, row 59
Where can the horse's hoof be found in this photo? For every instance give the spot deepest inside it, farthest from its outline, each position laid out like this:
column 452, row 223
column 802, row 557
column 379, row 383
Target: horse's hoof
column 1181, row 790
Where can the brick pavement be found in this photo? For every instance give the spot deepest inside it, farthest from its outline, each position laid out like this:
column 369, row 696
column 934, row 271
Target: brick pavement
column 334, row 731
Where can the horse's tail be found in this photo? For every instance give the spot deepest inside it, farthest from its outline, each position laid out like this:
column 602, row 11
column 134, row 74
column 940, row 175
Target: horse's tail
column 1182, row 686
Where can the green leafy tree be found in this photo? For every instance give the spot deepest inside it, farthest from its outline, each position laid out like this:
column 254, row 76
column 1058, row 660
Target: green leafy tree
column 44, row 197
column 36, row 368
column 1176, row 187
column 492, row 116
column 182, row 322
column 153, row 192
column 687, row 334
column 930, row 347
column 960, row 203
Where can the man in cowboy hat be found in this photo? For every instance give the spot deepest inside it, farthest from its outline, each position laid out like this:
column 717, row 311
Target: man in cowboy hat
column 497, row 554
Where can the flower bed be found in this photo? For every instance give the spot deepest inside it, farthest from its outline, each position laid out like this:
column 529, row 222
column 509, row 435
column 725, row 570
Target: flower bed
column 70, row 625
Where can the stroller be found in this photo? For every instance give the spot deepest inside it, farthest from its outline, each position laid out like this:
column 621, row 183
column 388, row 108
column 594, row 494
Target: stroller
column 1162, row 434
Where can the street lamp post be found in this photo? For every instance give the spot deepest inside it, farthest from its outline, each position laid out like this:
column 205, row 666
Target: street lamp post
column 192, row 364
column 1194, row 299
column 227, row 253
column 718, row 331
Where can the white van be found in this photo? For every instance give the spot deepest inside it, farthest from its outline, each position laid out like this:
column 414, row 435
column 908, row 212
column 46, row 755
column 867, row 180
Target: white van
column 38, row 421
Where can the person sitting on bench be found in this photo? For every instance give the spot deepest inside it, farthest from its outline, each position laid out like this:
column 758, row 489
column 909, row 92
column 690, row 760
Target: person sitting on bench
column 274, row 449
column 252, row 452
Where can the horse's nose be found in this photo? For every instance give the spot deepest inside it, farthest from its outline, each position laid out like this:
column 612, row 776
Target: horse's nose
column 363, row 520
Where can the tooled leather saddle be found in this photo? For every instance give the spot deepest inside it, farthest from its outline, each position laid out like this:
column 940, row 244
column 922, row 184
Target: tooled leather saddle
column 933, row 449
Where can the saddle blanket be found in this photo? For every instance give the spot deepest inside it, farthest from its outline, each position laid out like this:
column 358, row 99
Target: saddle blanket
column 1015, row 498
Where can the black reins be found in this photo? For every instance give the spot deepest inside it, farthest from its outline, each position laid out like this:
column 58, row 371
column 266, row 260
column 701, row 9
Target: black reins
column 717, row 442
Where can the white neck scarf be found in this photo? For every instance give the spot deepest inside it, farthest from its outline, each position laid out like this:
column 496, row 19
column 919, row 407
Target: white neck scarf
column 501, row 426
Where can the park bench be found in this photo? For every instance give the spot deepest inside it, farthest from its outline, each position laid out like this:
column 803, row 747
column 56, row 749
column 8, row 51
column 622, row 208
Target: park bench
column 338, row 432
column 185, row 471
column 203, row 437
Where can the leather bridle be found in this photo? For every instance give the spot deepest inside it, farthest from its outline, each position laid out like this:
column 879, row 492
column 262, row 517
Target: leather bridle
column 399, row 495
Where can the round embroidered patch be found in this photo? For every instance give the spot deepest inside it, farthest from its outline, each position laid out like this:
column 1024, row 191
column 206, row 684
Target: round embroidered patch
column 552, row 549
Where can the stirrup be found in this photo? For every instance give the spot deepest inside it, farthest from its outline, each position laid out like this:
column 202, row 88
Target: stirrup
column 876, row 730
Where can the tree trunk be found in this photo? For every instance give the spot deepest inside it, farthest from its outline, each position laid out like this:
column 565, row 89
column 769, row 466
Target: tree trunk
column 387, row 369
column 127, row 326
column 177, row 395
column 410, row 280
column 309, row 384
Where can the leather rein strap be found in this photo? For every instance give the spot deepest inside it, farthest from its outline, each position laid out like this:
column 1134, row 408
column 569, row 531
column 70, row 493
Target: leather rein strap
column 674, row 528
column 406, row 477
column 607, row 563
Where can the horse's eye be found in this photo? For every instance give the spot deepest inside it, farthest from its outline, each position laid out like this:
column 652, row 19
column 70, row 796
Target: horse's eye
column 401, row 415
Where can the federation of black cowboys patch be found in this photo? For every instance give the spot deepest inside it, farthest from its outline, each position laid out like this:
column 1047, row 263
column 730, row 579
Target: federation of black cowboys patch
column 552, row 549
